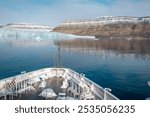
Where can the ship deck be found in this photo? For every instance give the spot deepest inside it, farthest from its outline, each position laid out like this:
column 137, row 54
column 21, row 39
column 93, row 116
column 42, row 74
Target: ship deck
column 52, row 84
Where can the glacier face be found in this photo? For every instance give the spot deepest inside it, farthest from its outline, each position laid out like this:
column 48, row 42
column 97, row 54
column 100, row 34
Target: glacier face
column 10, row 34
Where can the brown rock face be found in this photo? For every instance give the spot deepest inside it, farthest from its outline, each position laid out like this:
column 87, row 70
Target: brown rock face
column 108, row 27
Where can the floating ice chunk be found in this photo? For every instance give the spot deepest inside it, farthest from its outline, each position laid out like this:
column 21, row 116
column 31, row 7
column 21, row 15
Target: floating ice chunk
column 149, row 83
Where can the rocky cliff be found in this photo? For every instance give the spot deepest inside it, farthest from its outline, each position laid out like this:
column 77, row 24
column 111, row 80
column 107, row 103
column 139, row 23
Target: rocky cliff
column 108, row 27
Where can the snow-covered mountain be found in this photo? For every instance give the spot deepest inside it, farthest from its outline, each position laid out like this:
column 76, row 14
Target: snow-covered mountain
column 108, row 20
column 29, row 27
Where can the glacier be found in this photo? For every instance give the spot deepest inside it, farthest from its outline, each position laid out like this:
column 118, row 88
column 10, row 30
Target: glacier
column 11, row 34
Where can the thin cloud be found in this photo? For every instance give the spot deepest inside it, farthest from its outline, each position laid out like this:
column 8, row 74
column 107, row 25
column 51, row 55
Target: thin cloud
column 55, row 13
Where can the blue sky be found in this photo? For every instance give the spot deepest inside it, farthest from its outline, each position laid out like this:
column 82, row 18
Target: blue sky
column 53, row 12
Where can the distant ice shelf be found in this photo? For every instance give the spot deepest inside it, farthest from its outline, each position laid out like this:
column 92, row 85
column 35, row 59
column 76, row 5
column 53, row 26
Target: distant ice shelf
column 20, row 34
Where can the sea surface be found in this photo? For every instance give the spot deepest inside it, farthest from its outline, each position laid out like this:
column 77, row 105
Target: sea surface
column 126, row 72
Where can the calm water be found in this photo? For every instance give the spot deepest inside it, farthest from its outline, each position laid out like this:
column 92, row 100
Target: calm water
column 126, row 74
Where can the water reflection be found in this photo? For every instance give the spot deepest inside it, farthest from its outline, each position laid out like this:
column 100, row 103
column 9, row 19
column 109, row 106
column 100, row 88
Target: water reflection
column 106, row 47
column 109, row 63
column 28, row 43
column 121, row 45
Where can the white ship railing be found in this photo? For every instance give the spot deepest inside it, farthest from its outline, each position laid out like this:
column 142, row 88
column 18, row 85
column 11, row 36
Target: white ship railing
column 98, row 90
column 60, row 72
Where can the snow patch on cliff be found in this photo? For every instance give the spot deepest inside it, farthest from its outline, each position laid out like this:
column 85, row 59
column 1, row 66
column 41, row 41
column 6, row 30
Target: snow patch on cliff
column 108, row 20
